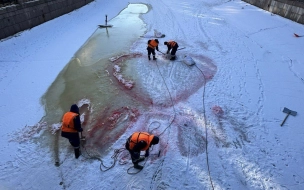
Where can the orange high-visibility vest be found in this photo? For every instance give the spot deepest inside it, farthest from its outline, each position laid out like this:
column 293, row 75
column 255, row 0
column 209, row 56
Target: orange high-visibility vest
column 153, row 44
column 140, row 136
column 68, row 122
column 171, row 43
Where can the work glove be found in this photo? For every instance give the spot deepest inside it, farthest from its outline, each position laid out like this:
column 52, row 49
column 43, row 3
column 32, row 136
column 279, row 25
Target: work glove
column 147, row 154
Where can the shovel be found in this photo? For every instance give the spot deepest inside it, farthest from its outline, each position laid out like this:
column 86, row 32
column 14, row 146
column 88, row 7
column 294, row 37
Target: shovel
column 162, row 52
column 289, row 112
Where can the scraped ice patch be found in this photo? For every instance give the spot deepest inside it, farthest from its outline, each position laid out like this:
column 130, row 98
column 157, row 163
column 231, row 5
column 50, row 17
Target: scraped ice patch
column 191, row 138
column 159, row 82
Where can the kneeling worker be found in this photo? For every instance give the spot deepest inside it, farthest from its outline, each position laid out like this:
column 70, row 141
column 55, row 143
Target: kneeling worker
column 140, row 141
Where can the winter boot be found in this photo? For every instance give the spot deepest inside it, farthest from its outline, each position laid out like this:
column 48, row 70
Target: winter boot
column 138, row 166
column 149, row 57
column 154, row 58
column 77, row 152
column 141, row 159
column 172, row 58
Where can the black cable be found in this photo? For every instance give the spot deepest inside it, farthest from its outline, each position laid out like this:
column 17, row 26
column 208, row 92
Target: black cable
column 205, row 122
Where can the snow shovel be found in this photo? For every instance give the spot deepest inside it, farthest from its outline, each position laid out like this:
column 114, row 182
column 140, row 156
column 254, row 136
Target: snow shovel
column 162, row 52
column 289, row 112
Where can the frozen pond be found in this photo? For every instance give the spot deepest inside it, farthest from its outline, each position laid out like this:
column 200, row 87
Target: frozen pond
column 116, row 87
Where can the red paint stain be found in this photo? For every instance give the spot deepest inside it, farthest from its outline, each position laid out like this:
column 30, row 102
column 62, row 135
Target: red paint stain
column 106, row 129
column 217, row 110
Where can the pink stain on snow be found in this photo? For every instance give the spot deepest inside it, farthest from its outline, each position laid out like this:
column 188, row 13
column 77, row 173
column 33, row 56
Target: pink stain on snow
column 105, row 129
column 217, row 110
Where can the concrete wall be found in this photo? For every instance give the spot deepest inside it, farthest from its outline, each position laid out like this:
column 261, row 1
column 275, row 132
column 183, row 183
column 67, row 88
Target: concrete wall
column 27, row 14
column 291, row 9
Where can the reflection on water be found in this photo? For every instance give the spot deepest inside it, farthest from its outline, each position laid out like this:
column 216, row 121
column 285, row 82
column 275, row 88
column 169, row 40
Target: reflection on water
column 107, row 42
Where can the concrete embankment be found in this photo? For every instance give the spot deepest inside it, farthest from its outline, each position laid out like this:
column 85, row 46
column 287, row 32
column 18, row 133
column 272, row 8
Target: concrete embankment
column 291, row 9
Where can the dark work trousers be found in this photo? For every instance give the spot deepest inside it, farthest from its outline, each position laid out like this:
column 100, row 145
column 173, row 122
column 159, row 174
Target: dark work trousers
column 134, row 155
column 174, row 49
column 74, row 141
column 151, row 50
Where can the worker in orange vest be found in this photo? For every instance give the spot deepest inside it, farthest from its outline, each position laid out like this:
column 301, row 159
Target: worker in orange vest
column 152, row 45
column 171, row 45
column 140, row 141
column 71, row 125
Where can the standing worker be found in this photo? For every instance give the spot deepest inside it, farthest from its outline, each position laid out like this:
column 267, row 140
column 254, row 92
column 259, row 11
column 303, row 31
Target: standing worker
column 152, row 45
column 71, row 125
column 171, row 45
column 140, row 141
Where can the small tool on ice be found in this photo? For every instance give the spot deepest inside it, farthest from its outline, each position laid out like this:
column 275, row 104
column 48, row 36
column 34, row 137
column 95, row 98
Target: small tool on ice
column 162, row 52
column 106, row 25
column 188, row 60
column 289, row 112
column 158, row 34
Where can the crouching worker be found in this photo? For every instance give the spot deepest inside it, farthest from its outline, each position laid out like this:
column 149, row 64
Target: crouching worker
column 140, row 141
column 71, row 125
column 172, row 45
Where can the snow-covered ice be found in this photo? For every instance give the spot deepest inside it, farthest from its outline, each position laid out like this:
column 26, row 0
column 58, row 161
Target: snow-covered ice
column 218, row 120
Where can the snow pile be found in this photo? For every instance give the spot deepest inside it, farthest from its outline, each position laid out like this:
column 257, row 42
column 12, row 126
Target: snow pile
column 120, row 58
column 127, row 83
column 55, row 127
column 115, row 58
